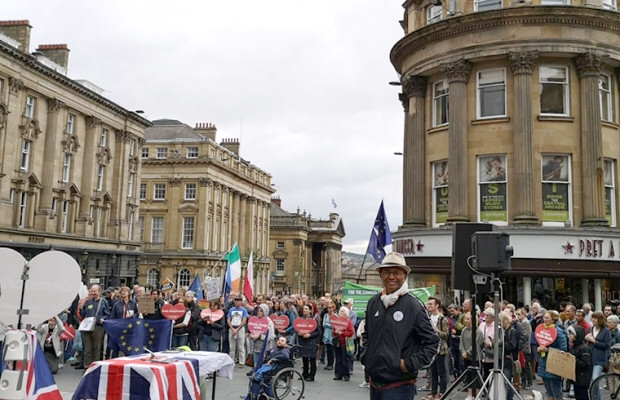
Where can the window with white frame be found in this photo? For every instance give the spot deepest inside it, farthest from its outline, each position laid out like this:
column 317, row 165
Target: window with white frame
column 485, row 5
column 145, row 152
column 70, row 124
column 440, row 192
column 208, row 233
column 157, row 230
column 556, row 194
column 103, row 138
column 159, row 191
column 553, row 84
column 24, row 164
column 491, row 93
column 140, row 229
column 188, row 233
column 441, row 95
column 434, row 14
column 100, row 176
column 30, row 106
column 184, row 278
column 152, row 278
column 217, row 196
column 224, row 235
column 192, row 152
column 610, row 5
column 279, row 266
column 23, row 204
column 609, row 178
column 63, row 216
column 604, row 92
column 66, row 167
column 130, row 180
column 130, row 225
column 54, row 204
column 161, row 153
column 11, row 196
column 216, row 234
column 492, row 195
column 143, row 191
column 190, row 191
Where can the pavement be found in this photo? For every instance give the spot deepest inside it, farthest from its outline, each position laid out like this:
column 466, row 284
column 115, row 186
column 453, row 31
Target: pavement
column 323, row 388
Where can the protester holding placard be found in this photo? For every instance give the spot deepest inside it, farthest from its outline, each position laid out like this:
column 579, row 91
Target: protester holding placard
column 180, row 331
column 583, row 361
column 598, row 339
column 210, row 327
column 307, row 339
column 327, row 335
column 257, row 338
column 549, row 335
column 340, row 335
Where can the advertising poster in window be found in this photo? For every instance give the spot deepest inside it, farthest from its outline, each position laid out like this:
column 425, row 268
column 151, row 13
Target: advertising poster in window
column 554, row 168
column 440, row 186
column 608, row 205
column 555, row 202
column 492, row 184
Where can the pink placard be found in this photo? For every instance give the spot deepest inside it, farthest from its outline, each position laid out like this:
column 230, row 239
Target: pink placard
column 173, row 312
column 258, row 325
column 545, row 336
column 304, row 325
column 338, row 323
column 279, row 321
column 213, row 315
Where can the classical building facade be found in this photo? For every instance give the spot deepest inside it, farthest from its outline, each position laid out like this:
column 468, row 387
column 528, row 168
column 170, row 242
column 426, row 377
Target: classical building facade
column 512, row 117
column 197, row 199
column 306, row 253
column 67, row 157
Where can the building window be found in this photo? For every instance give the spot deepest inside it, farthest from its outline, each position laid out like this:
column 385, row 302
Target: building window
column 192, row 152
column 143, row 191
column 610, row 4
column 216, row 234
column 491, row 99
column 556, row 196
column 63, row 217
column 12, row 196
column 140, row 229
column 152, row 278
column 188, row 233
column 103, row 138
column 208, row 233
column 441, row 95
column 279, row 266
column 604, row 92
column 132, row 147
column 159, row 191
column 440, row 192
column 23, row 203
column 100, row 176
column 609, row 177
column 145, row 152
column 130, row 226
column 433, row 14
column 161, row 153
column 183, row 279
column 224, row 236
column 553, row 90
column 130, row 179
column 70, row 124
column 66, row 167
column 190, row 191
column 24, row 163
column 492, row 199
column 484, row 5
column 30, row 105
column 157, row 230
column 280, row 245
column 217, row 196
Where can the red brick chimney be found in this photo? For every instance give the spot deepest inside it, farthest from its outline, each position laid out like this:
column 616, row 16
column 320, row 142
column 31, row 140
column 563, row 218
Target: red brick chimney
column 59, row 53
column 276, row 200
column 207, row 129
column 18, row 30
column 231, row 144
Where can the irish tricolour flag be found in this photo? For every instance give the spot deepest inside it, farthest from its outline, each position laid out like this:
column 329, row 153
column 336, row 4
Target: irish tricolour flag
column 233, row 270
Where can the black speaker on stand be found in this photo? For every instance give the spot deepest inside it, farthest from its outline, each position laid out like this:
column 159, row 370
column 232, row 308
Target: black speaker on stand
column 461, row 251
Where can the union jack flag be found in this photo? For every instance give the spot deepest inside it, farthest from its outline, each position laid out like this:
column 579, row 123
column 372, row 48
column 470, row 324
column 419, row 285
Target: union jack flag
column 133, row 379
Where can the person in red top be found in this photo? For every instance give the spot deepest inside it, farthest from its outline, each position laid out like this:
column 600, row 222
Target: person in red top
column 581, row 320
column 341, row 370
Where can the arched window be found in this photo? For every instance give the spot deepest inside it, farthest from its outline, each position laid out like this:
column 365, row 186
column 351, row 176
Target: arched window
column 152, row 278
column 183, row 278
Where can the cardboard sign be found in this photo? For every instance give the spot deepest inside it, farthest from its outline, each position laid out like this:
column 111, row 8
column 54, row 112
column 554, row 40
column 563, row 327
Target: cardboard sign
column 213, row 288
column 258, row 325
column 561, row 363
column 68, row 333
column 545, row 336
column 304, row 325
column 173, row 312
column 338, row 323
column 213, row 315
column 279, row 321
column 146, row 305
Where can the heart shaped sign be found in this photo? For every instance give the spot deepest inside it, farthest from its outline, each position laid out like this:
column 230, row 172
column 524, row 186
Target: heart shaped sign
column 304, row 325
column 279, row 321
column 213, row 315
column 173, row 312
column 338, row 323
column 54, row 279
column 545, row 336
column 258, row 325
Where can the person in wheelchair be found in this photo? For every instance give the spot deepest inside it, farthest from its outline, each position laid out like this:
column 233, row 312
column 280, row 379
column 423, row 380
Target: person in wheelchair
column 276, row 358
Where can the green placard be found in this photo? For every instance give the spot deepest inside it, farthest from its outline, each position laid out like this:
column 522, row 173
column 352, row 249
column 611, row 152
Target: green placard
column 555, row 202
column 361, row 294
column 493, row 202
column 441, row 205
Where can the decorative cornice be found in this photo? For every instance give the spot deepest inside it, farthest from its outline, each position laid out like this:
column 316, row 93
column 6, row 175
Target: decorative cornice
column 15, row 85
column 204, row 181
column 523, row 62
column 589, row 64
column 457, row 71
column 92, row 122
column 55, row 105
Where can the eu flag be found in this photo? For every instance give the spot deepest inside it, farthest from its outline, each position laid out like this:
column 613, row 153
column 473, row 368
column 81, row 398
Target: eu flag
column 380, row 236
column 133, row 335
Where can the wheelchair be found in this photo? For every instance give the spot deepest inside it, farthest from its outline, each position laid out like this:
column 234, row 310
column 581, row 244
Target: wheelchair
column 282, row 383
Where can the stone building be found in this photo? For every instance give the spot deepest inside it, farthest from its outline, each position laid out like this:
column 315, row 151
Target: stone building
column 197, row 199
column 306, row 253
column 512, row 117
column 68, row 157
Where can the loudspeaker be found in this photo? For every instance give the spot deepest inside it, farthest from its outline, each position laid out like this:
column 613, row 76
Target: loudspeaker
column 461, row 251
column 492, row 251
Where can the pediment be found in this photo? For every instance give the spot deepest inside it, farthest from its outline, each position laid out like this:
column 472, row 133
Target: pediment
column 188, row 209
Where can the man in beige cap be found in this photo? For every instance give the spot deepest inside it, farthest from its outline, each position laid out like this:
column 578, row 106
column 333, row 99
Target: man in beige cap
column 399, row 335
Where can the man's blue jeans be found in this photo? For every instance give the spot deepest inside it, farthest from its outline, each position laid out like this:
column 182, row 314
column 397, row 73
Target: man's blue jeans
column 405, row 392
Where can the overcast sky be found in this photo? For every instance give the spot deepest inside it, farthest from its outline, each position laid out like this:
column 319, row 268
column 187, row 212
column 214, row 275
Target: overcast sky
column 302, row 84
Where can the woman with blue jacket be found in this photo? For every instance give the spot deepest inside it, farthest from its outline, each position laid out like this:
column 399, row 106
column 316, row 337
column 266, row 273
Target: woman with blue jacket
column 552, row 382
column 327, row 335
column 598, row 339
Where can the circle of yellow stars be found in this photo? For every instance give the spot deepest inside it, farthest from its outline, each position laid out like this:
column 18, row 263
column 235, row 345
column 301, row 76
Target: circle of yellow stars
column 130, row 326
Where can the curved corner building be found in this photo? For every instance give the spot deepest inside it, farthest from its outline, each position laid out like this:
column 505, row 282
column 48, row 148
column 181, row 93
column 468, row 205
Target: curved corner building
column 512, row 118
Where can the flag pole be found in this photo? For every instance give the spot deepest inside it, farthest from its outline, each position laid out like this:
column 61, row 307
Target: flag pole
column 361, row 269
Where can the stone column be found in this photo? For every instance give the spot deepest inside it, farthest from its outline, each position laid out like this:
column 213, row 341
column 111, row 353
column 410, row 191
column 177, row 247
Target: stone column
column 527, row 290
column 235, row 217
column 88, row 164
column 522, row 65
column 49, row 152
column 243, row 211
column 458, row 200
column 588, row 67
column 598, row 299
column 414, row 160
column 585, row 290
